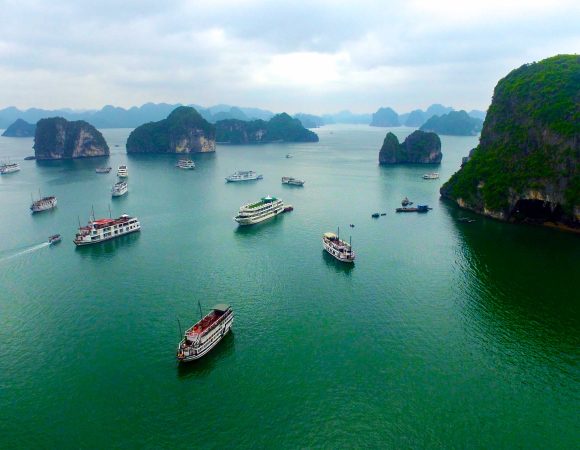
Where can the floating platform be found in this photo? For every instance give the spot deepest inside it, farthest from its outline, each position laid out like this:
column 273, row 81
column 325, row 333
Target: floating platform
column 418, row 208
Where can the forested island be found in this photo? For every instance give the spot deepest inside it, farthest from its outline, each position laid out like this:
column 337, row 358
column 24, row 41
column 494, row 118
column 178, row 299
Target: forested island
column 526, row 166
column 280, row 128
column 419, row 147
column 57, row 138
column 20, row 128
column 454, row 123
column 183, row 131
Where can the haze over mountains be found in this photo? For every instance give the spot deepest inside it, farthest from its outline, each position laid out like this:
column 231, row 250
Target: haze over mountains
column 117, row 117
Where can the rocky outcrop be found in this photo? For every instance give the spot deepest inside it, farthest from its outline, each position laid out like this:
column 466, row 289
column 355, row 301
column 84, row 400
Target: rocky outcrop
column 20, row 128
column 57, row 138
column 454, row 123
column 183, row 131
column 526, row 165
column 280, row 128
column 418, row 148
column 385, row 117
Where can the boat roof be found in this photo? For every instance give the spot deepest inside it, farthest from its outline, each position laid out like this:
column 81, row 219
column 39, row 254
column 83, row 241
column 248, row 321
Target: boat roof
column 222, row 307
column 330, row 235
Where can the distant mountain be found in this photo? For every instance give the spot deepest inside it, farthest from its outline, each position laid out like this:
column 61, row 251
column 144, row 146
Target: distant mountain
column 477, row 114
column 117, row 117
column 416, row 118
column 385, row 117
column 20, row 128
column 309, row 120
column 454, row 123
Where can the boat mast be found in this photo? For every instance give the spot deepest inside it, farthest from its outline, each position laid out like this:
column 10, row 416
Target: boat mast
column 179, row 325
column 110, row 215
column 338, row 232
column 93, row 211
column 200, row 313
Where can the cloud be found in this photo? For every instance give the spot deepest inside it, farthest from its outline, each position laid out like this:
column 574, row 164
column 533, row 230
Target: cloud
column 314, row 56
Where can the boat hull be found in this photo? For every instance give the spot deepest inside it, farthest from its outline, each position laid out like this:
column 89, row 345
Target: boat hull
column 254, row 220
column 85, row 243
column 336, row 254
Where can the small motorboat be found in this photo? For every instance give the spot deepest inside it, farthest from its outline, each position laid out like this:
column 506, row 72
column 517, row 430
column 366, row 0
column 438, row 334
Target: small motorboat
column 288, row 155
column 54, row 239
column 375, row 215
column 406, row 202
column 288, row 208
column 383, row 214
column 352, row 225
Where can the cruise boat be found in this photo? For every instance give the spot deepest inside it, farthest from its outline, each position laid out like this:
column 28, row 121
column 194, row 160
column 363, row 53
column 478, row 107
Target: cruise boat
column 105, row 229
column 205, row 334
column 293, row 181
column 54, row 239
column 244, row 175
column 431, row 176
column 257, row 212
column 187, row 164
column 103, row 169
column 119, row 188
column 122, row 172
column 338, row 248
column 43, row 204
column 9, row 168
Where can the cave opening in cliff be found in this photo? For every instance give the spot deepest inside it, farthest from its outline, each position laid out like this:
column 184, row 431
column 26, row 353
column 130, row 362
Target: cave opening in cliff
column 536, row 211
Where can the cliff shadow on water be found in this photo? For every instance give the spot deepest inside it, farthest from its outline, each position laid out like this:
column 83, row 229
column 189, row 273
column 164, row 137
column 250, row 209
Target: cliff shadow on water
column 204, row 366
column 511, row 291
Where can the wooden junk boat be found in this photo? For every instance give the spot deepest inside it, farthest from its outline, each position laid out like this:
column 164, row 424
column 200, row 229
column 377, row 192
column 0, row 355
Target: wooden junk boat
column 205, row 334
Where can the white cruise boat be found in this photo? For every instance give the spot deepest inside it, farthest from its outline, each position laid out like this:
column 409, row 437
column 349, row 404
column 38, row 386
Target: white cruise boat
column 338, row 248
column 293, row 181
column 43, row 204
column 187, row 164
column 257, row 212
column 122, row 172
column 105, row 229
column 431, row 176
column 205, row 334
column 244, row 175
column 103, row 169
column 119, row 188
column 9, row 168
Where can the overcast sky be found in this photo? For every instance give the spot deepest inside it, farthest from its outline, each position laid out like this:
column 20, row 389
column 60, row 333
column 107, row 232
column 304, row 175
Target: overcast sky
column 296, row 56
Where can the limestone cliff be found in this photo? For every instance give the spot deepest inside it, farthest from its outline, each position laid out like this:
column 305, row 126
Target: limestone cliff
column 183, row 131
column 526, row 164
column 454, row 123
column 385, row 117
column 57, row 138
column 418, row 148
column 20, row 128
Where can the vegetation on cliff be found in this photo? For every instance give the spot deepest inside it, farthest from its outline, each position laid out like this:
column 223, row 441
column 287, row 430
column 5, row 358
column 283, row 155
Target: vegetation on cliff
column 183, row 131
column 57, row 138
column 20, row 128
column 454, row 123
column 530, row 143
column 280, row 128
column 419, row 147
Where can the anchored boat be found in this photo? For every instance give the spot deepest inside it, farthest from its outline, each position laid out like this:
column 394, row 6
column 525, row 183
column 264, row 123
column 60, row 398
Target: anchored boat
column 119, row 188
column 431, row 176
column 9, row 168
column 186, row 164
column 293, row 181
column 338, row 248
column 205, row 334
column 244, row 175
column 105, row 229
column 253, row 213
column 122, row 172
column 103, row 169
column 43, row 204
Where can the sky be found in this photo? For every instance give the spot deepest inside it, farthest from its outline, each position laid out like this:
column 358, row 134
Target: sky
column 314, row 56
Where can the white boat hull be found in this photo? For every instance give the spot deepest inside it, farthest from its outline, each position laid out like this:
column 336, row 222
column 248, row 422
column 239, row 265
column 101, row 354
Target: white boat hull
column 209, row 341
column 257, row 219
column 336, row 254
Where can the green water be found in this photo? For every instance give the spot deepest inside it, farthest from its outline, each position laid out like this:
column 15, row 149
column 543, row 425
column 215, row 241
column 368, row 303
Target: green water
column 443, row 334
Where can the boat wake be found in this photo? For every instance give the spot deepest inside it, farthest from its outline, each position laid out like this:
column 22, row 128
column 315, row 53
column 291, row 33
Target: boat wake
column 34, row 248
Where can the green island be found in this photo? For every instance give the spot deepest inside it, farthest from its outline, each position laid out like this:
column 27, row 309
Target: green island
column 454, row 123
column 20, row 128
column 526, row 164
column 183, row 131
column 280, row 128
column 57, row 138
column 419, row 147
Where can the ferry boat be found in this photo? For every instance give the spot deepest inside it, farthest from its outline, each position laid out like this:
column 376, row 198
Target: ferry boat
column 266, row 208
column 122, row 172
column 431, row 176
column 105, row 229
column 338, row 248
column 9, row 168
column 103, row 169
column 187, row 164
column 293, row 181
column 43, row 204
column 119, row 188
column 244, row 175
column 54, row 239
column 205, row 334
